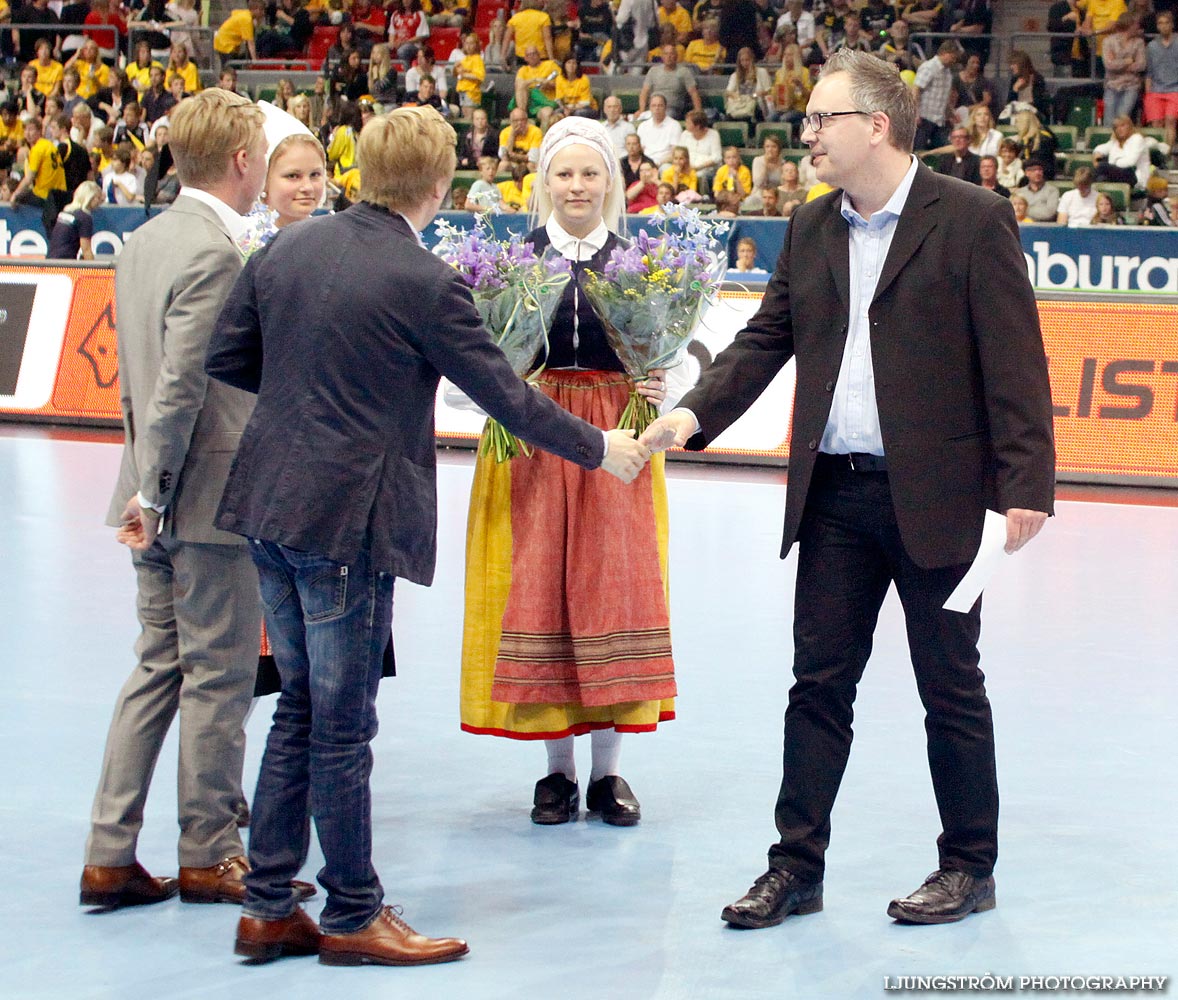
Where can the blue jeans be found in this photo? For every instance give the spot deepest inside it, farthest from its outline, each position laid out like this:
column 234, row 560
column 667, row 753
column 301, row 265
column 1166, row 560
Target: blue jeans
column 328, row 625
column 1119, row 102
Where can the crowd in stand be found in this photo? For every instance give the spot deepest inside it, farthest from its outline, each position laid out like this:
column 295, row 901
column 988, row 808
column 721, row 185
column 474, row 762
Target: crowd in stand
column 78, row 111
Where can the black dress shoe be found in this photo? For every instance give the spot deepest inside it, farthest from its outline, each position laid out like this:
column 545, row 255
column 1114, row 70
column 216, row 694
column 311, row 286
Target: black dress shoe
column 945, row 896
column 612, row 797
column 772, row 898
column 557, row 800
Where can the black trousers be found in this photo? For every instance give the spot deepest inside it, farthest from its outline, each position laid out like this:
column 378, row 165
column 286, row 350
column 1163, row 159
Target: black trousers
column 849, row 553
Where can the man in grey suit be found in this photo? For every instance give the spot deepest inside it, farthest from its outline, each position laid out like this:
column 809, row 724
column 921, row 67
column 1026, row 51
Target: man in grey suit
column 198, row 601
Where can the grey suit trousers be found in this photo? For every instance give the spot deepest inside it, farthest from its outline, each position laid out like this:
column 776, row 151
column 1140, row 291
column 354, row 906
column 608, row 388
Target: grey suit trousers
column 200, row 615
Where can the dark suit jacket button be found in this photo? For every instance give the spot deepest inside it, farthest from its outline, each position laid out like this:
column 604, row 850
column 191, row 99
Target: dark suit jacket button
column 583, row 450
column 812, row 445
column 830, row 387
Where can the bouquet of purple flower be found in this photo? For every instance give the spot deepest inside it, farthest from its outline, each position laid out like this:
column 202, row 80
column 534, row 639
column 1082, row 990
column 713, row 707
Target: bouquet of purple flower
column 652, row 295
column 516, row 293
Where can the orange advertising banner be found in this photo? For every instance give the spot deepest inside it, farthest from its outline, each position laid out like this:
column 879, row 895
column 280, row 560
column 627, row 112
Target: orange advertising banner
column 58, row 350
column 1114, row 383
column 1114, row 374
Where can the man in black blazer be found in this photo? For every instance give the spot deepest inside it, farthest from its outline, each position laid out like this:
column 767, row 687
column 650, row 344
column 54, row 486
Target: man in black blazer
column 922, row 400
column 960, row 162
column 342, row 326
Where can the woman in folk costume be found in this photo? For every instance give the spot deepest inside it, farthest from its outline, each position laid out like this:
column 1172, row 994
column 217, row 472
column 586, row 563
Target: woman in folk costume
column 567, row 630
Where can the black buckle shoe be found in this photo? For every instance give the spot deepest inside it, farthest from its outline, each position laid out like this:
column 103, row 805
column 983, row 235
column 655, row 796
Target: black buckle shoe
column 557, row 800
column 945, row 897
column 772, row 898
column 612, row 797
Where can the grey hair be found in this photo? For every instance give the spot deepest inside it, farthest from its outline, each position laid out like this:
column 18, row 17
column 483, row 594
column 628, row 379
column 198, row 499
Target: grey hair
column 876, row 86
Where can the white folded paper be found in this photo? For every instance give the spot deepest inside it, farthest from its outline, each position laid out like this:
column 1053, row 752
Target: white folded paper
column 990, row 552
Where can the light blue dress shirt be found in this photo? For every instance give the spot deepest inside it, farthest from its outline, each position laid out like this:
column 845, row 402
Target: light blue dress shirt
column 853, row 424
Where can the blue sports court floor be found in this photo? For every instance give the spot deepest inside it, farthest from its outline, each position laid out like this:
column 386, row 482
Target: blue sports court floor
column 1078, row 645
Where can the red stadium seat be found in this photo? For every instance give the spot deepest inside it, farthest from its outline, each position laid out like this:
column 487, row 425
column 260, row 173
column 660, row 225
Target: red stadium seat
column 485, row 15
column 444, row 41
column 322, row 38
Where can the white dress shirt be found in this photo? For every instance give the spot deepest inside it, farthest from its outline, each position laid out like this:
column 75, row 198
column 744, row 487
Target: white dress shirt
column 234, row 223
column 853, row 424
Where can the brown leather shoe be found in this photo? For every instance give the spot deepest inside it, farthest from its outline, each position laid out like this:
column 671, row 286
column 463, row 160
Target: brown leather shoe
column 266, row 940
column 222, row 883
column 388, row 940
column 125, row 885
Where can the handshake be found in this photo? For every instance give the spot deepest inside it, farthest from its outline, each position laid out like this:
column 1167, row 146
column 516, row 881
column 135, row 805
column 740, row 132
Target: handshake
column 627, row 454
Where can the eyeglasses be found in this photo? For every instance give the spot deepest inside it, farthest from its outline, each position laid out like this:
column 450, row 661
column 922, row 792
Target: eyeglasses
column 814, row 121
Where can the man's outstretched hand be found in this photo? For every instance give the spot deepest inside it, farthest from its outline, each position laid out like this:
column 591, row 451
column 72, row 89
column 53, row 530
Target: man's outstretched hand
column 673, row 429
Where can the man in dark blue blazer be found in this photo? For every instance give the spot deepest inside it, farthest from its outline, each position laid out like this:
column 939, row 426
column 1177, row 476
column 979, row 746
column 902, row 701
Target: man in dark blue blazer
column 922, row 401
column 343, row 326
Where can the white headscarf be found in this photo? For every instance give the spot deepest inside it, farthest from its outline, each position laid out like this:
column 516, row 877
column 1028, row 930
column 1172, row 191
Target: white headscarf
column 574, row 131
column 280, row 125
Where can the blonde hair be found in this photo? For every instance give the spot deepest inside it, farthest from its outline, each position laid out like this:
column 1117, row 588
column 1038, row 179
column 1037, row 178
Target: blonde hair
column 1028, row 130
column 380, row 61
column 977, row 134
column 403, row 155
column 299, row 138
column 86, row 192
column 207, row 129
column 299, row 101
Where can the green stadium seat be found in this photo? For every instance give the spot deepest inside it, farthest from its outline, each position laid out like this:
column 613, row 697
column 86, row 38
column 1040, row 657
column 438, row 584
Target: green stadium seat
column 1065, row 136
column 783, row 130
column 1082, row 113
column 733, row 133
column 1096, row 134
column 629, row 99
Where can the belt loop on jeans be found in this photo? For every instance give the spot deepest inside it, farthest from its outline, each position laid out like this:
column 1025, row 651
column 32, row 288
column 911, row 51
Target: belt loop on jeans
column 856, row 461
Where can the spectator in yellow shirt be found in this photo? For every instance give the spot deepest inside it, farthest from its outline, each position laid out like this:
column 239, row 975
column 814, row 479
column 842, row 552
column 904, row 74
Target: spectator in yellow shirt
column 238, row 30
column 470, row 74
column 530, row 25
column 668, row 38
column 535, row 85
column 572, row 90
column 12, row 129
column 93, row 73
column 139, row 70
column 43, row 183
column 48, row 69
column 341, row 150
column 671, row 13
column 180, row 65
column 517, row 192
column 704, row 53
column 520, row 141
column 678, row 172
column 1100, row 19
column 733, row 175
